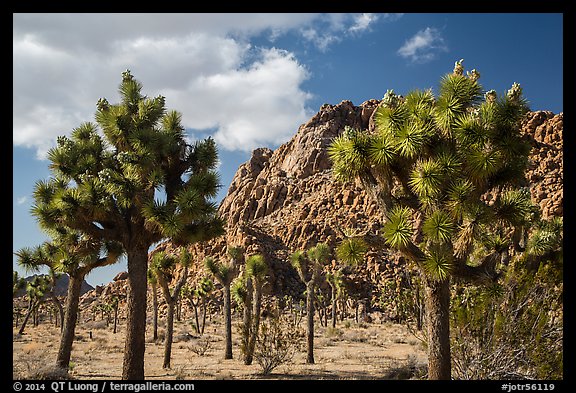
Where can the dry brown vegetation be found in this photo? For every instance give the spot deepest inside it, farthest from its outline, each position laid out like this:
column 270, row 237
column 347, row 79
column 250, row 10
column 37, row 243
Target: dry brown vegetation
column 349, row 351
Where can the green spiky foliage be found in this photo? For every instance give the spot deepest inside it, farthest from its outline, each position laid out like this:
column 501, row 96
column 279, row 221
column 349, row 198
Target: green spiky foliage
column 17, row 283
column 223, row 272
column 170, row 270
column 239, row 291
column 70, row 252
column 300, row 263
column 236, row 255
column 309, row 263
column 513, row 329
column 429, row 164
column 256, row 267
column 131, row 177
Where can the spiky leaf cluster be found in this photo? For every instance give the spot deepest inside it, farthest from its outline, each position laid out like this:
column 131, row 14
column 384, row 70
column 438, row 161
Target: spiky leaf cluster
column 351, row 251
column 256, row 267
column 398, row 229
column 223, row 272
column 547, row 237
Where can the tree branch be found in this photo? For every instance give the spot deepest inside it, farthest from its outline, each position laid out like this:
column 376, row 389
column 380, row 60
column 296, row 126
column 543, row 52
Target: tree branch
column 483, row 273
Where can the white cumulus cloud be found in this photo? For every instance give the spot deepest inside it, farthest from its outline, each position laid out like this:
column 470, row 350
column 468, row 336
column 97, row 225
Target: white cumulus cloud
column 330, row 29
column 260, row 105
column 363, row 21
column 204, row 64
column 423, row 46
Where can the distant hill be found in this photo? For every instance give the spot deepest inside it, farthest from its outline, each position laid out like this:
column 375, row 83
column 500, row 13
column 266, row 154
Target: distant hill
column 61, row 286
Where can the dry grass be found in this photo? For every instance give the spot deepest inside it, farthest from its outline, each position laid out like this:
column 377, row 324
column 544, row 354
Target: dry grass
column 349, row 351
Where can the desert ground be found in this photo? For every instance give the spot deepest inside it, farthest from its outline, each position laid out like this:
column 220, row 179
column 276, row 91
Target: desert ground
column 349, row 351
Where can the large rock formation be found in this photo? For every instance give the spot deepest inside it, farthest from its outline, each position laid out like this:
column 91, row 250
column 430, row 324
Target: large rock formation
column 546, row 171
column 286, row 200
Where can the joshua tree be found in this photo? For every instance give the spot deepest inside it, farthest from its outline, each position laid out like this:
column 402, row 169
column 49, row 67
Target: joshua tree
column 351, row 252
column 108, row 188
column 241, row 290
column 336, row 282
column 114, row 303
column 36, row 290
column 77, row 255
column 33, row 258
column 309, row 267
column 197, row 297
column 256, row 270
column 164, row 266
column 17, row 283
column 224, row 274
column 431, row 165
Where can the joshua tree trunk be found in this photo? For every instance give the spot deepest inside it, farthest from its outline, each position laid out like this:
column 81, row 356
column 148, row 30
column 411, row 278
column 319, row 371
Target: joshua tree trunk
column 334, row 307
column 31, row 307
column 310, row 321
column 334, row 302
column 115, row 318
column 70, row 319
column 256, row 303
column 419, row 309
column 203, row 315
column 169, row 332
column 195, row 308
column 59, row 308
column 135, row 344
column 247, row 322
column 228, row 322
column 438, row 326
column 155, row 312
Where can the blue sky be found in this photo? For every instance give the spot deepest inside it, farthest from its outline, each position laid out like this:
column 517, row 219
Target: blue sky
column 250, row 80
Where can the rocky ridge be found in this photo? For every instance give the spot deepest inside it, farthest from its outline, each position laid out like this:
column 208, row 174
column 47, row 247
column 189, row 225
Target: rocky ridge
column 285, row 200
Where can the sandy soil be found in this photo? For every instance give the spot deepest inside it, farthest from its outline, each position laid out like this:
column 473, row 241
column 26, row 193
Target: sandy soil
column 351, row 351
